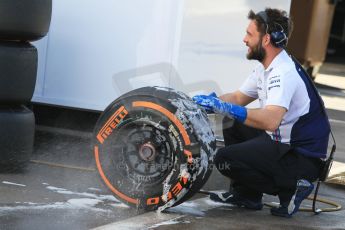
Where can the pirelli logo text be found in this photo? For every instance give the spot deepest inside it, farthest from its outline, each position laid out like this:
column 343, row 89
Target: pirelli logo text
column 111, row 124
column 173, row 192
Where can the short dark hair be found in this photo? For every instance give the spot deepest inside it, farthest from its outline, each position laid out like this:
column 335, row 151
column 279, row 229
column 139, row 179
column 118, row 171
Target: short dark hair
column 275, row 17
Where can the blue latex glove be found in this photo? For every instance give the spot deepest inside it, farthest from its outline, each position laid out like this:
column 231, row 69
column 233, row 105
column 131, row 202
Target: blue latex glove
column 219, row 106
column 207, row 108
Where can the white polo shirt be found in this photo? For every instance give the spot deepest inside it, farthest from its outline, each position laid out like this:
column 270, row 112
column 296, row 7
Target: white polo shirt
column 281, row 85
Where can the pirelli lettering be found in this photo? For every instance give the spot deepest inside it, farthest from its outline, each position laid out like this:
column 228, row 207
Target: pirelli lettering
column 152, row 201
column 111, row 124
column 173, row 192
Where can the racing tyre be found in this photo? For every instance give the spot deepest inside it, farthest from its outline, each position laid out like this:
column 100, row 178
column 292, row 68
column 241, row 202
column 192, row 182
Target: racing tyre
column 154, row 147
column 16, row 137
column 18, row 69
column 25, row 20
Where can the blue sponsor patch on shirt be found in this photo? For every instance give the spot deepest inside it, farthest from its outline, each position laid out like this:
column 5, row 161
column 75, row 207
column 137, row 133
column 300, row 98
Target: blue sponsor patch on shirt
column 274, row 77
column 274, row 81
column 274, row 86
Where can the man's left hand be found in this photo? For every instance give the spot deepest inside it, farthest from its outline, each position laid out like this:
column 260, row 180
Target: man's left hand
column 218, row 106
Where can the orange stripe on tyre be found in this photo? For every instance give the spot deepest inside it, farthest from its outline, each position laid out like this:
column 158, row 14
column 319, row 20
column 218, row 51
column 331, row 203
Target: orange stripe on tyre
column 168, row 114
column 109, row 185
column 178, row 186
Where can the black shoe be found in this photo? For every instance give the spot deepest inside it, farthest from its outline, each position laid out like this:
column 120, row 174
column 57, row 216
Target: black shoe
column 230, row 198
column 303, row 190
column 280, row 211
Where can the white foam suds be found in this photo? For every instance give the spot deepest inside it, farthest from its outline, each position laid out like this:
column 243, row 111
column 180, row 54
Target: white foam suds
column 84, row 194
column 183, row 173
column 118, row 205
column 84, row 200
column 167, row 89
column 198, row 119
column 175, row 215
column 197, row 207
column 187, row 109
column 189, row 208
column 167, row 185
column 71, row 204
column 170, row 222
column 203, row 162
column 94, row 189
column 11, row 183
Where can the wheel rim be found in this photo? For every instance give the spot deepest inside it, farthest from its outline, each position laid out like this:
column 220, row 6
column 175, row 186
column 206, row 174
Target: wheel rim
column 146, row 151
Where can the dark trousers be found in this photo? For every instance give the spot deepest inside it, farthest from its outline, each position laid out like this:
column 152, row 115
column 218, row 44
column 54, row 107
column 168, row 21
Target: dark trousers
column 256, row 164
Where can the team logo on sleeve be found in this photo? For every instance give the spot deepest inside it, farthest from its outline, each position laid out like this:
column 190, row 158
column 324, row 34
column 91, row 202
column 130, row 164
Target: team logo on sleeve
column 274, row 82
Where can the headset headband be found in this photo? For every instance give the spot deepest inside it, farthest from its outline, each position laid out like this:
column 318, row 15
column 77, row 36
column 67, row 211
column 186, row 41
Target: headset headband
column 278, row 37
column 263, row 16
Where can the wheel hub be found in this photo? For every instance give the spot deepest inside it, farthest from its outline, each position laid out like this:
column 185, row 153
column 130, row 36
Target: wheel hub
column 147, row 152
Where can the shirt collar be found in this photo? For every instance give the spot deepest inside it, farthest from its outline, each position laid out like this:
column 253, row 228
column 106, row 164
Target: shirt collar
column 277, row 60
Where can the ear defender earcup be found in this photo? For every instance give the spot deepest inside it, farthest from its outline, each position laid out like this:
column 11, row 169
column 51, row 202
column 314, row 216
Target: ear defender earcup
column 279, row 38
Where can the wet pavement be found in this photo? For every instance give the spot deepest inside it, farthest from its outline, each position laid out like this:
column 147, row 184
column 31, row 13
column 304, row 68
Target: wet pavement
column 61, row 189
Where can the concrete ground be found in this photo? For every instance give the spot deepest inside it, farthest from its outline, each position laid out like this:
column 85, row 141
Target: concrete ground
column 60, row 188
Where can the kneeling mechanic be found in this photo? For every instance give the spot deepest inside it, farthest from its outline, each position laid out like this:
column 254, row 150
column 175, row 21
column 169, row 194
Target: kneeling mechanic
column 277, row 148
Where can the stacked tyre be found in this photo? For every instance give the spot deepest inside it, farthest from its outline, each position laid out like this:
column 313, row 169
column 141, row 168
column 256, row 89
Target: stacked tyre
column 21, row 22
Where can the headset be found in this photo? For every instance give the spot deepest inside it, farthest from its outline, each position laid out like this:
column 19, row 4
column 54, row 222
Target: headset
column 278, row 37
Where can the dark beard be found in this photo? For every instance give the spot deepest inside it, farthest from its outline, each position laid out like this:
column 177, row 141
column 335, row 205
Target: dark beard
column 258, row 53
